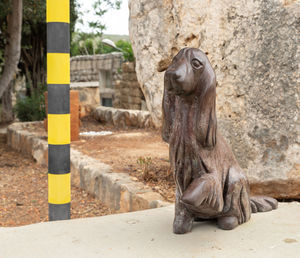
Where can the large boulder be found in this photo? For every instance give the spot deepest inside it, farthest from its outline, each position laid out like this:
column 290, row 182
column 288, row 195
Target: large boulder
column 254, row 47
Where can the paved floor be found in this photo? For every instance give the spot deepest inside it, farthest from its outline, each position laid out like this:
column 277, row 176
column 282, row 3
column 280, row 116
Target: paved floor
column 149, row 234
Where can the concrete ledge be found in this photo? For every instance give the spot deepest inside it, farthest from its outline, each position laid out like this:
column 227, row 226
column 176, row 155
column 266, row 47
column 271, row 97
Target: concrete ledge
column 93, row 84
column 123, row 117
column 149, row 234
column 116, row 190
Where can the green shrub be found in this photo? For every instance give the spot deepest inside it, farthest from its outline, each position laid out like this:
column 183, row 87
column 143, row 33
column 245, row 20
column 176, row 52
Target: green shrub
column 30, row 108
column 90, row 44
column 127, row 50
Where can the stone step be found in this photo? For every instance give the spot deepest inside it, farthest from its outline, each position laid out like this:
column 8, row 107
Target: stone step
column 149, row 234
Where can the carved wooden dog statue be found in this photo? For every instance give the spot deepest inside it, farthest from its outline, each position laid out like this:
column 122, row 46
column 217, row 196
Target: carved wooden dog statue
column 209, row 182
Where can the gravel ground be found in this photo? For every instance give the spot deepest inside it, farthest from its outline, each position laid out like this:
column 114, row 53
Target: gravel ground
column 23, row 192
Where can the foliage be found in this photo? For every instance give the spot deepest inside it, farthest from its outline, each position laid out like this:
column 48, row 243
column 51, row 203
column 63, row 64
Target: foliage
column 33, row 49
column 127, row 50
column 4, row 10
column 100, row 8
column 31, row 108
column 33, row 52
column 90, row 44
column 33, row 45
column 33, row 55
column 145, row 163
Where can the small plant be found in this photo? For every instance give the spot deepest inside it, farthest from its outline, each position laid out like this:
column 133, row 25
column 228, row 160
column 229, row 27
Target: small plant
column 31, row 108
column 145, row 163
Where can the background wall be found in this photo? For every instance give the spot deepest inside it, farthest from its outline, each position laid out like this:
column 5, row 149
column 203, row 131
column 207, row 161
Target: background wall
column 128, row 94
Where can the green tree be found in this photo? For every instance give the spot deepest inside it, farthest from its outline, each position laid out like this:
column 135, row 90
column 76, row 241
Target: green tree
column 10, row 38
column 90, row 44
column 33, row 44
column 100, row 8
column 33, row 57
column 126, row 49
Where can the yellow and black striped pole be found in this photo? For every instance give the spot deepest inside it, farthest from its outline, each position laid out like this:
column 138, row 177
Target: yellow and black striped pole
column 58, row 82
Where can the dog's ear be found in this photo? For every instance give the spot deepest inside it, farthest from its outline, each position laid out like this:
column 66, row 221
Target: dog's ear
column 168, row 114
column 206, row 120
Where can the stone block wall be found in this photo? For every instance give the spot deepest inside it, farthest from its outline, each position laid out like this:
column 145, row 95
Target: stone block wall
column 117, row 81
column 87, row 68
column 89, row 96
column 128, row 94
column 104, row 69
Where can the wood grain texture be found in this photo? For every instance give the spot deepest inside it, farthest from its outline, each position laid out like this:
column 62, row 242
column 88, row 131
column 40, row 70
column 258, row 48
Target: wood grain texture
column 209, row 182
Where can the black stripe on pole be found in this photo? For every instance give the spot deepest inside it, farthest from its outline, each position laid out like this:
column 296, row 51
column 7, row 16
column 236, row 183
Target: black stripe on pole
column 58, row 37
column 58, row 99
column 59, row 159
column 59, row 211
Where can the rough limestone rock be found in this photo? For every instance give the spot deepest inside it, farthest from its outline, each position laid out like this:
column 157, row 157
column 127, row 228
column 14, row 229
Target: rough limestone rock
column 254, row 47
column 123, row 118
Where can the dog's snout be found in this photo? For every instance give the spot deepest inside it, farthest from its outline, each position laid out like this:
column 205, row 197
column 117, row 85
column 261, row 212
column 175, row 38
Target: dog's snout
column 176, row 74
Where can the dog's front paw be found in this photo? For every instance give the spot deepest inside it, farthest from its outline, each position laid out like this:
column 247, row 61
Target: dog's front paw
column 204, row 194
column 182, row 224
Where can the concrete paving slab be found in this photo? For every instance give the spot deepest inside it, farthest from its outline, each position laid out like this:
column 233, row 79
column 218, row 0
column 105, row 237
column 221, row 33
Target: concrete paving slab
column 149, row 234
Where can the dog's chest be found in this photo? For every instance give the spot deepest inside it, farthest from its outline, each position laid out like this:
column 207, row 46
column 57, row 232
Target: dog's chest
column 185, row 154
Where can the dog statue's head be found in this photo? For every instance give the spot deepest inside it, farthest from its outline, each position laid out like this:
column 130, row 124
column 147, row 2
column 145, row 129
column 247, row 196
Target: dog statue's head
column 189, row 73
column 190, row 79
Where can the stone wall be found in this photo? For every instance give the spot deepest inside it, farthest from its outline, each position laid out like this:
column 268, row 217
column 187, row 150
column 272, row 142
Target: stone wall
column 87, row 68
column 89, row 96
column 254, row 47
column 123, row 118
column 104, row 69
column 128, row 94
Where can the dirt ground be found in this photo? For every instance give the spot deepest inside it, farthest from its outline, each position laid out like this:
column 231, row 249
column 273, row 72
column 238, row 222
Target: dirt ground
column 23, row 183
column 139, row 152
column 23, row 192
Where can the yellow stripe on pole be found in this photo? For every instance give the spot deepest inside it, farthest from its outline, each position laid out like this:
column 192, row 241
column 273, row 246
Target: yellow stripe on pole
column 59, row 128
column 58, row 68
column 58, row 11
column 59, row 188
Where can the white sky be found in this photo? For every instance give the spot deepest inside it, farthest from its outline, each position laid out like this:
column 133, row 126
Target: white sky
column 116, row 21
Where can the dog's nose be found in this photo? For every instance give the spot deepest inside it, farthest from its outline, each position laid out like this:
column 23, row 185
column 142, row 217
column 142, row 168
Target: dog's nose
column 176, row 74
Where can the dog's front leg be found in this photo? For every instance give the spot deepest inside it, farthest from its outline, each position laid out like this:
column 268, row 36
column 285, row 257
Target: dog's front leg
column 183, row 220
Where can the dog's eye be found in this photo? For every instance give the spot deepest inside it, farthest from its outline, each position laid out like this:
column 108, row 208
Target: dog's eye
column 196, row 64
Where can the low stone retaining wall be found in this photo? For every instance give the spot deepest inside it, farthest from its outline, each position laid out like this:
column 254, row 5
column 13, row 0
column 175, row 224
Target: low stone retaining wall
column 28, row 143
column 116, row 190
column 123, row 118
